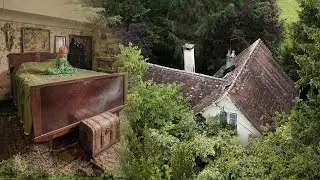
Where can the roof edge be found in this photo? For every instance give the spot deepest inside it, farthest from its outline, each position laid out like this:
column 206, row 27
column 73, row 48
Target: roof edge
column 186, row 72
column 244, row 114
column 254, row 47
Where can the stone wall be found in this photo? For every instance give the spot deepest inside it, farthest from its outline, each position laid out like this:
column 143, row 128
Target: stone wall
column 57, row 27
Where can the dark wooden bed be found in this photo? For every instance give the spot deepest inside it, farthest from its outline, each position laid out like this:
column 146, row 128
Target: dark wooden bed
column 57, row 108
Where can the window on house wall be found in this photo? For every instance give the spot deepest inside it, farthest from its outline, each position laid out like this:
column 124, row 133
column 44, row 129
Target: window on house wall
column 228, row 118
column 223, row 117
column 233, row 118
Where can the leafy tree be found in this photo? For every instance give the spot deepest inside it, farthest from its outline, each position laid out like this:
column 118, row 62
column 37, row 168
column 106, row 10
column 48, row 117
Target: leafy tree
column 273, row 156
column 292, row 152
column 303, row 37
column 192, row 156
column 137, row 33
column 157, row 117
column 209, row 24
column 130, row 60
column 162, row 139
column 304, row 58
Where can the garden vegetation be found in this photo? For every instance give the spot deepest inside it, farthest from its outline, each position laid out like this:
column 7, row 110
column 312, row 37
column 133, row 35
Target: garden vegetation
column 163, row 139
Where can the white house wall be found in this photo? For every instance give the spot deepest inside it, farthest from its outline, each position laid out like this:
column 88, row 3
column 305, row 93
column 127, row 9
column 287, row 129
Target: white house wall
column 244, row 127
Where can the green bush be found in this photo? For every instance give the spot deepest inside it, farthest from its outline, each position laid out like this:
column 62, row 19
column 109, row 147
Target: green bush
column 191, row 156
column 161, row 137
column 157, row 118
column 161, row 107
column 130, row 60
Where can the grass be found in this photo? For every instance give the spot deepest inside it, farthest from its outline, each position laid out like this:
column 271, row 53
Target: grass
column 289, row 10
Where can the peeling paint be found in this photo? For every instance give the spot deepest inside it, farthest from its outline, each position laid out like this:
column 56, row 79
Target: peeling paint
column 5, row 83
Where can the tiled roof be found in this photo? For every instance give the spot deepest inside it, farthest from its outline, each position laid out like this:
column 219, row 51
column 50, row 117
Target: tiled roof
column 196, row 87
column 258, row 86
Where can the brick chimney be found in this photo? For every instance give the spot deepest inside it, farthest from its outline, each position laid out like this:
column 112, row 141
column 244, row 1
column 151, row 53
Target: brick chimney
column 188, row 56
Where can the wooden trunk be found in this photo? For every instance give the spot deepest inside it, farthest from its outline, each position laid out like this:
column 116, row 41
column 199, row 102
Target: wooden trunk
column 99, row 132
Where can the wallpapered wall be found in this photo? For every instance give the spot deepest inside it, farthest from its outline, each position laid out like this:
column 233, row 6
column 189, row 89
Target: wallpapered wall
column 5, row 83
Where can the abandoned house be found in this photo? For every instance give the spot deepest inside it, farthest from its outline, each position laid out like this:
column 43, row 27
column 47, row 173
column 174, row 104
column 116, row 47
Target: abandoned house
column 247, row 91
column 44, row 26
column 32, row 33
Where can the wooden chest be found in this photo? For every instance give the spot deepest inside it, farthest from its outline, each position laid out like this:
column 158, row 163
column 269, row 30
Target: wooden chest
column 99, row 132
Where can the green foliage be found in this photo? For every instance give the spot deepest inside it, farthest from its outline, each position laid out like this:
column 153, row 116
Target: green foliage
column 208, row 24
column 292, row 152
column 190, row 156
column 305, row 123
column 95, row 15
column 195, row 157
column 210, row 150
column 212, row 126
column 305, row 35
column 157, row 118
column 300, row 54
column 273, row 156
column 147, row 157
column 162, row 140
column 285, row 56
column 159, row 130
column 159, row 107
column 131, row 60
column 17, row 168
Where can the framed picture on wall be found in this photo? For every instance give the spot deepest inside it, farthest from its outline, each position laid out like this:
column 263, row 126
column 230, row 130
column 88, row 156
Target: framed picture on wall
column 35, row 40
column 58, row 42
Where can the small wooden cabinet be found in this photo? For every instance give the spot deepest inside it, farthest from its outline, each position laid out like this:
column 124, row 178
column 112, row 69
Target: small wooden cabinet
column 107, row 64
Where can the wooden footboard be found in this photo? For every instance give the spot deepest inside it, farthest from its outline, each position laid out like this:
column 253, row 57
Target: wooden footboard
column 58, row 107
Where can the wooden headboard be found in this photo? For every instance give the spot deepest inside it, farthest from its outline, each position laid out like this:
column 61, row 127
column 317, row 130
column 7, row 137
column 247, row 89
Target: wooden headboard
column 16, row 59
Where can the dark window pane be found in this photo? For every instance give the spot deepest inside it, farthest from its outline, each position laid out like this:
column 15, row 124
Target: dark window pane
column 233, row 118
column 223, row 116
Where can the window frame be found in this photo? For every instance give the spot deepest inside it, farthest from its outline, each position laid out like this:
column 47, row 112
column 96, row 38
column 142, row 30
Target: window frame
column 233, row 120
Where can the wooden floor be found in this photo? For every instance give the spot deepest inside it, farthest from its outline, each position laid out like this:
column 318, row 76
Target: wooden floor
column 66, row 155
column 12, row 139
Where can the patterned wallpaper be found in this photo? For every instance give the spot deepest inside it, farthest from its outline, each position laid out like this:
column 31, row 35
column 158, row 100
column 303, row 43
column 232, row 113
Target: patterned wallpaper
column 5, row 84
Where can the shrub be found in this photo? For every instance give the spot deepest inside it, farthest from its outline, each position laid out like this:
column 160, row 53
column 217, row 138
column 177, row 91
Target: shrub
column 133, row 62
column 157, row 118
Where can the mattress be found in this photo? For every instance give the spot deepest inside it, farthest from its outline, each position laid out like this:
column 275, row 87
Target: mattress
column 32, row 74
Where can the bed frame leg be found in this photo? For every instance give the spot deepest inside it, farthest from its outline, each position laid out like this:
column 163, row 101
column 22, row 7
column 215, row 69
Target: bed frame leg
column 50, row 144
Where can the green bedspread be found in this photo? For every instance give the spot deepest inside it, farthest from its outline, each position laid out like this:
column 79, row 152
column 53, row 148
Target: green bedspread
column 32, row 74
